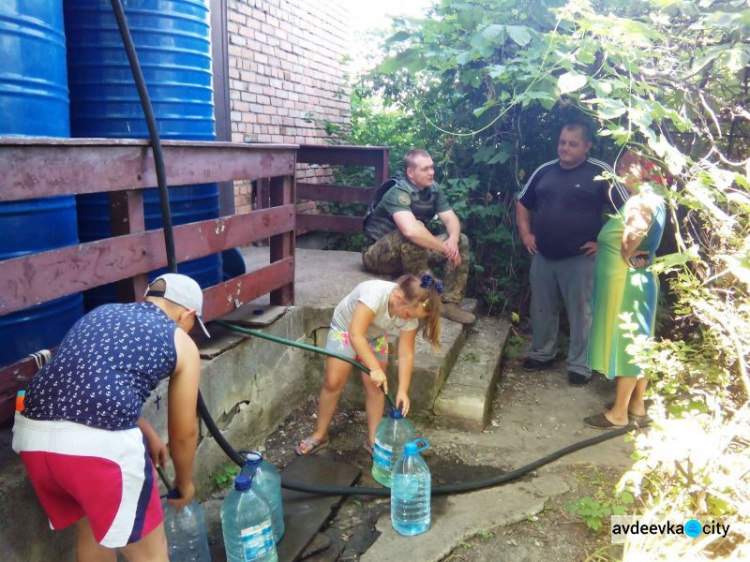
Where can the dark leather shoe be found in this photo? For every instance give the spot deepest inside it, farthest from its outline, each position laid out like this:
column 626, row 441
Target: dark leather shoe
column 577, row 379
column 530, row 364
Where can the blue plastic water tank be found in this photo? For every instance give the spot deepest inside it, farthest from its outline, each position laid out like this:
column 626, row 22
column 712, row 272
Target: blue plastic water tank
column 172, row 39
column 34, row 102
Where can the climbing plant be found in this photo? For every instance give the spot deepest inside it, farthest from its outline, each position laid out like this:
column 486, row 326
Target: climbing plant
column 484, row 86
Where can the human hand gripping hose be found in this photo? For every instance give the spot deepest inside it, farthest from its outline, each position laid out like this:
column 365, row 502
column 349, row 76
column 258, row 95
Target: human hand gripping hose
column 172, row 492
column 305, row 346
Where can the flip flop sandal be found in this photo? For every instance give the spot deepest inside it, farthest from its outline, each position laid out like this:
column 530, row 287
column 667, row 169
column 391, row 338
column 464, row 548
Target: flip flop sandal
column 600, row 421
column 311, row 446
column 367, row 447
column 640, row 421
column 635, row 418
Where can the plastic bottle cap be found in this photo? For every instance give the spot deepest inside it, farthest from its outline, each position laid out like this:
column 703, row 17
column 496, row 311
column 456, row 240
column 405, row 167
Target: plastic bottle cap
column 241, row 483
column 253, row 457
column 411, row 448
column 396, row 414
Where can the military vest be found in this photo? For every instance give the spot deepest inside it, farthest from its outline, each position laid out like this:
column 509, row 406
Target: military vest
column 377, row 223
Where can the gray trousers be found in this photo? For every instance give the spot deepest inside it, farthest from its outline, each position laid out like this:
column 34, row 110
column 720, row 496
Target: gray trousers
column 573, row 278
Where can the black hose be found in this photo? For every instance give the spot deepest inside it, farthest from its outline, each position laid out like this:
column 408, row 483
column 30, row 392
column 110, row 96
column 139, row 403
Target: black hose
column 466, row 486
column 153, row 132
column 236, row 457
column 214, row 430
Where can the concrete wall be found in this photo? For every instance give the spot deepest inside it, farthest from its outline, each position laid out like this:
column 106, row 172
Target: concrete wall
column 286, row 74
column 249, row 389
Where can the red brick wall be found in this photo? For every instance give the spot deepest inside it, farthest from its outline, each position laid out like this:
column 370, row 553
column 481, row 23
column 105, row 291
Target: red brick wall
column 285, row 67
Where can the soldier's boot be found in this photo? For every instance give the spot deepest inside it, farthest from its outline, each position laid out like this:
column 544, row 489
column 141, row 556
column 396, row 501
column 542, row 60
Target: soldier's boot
column 452, row 311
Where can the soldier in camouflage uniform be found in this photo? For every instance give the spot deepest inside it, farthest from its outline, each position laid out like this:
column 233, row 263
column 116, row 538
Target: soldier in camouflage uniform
column 401, row 243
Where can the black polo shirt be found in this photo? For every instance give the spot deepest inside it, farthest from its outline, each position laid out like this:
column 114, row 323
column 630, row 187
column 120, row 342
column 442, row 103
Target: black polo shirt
column 569, row 205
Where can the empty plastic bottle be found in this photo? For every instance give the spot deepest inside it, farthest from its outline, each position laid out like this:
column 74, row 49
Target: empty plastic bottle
column 246, row 525
column 267, row 483
column 392, row 434
column 186, row 533
column 410, row 492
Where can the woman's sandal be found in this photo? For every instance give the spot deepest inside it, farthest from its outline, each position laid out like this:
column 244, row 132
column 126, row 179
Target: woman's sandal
column 634, row 418
column 369, row 448
column 311, row 446
column 600, row 421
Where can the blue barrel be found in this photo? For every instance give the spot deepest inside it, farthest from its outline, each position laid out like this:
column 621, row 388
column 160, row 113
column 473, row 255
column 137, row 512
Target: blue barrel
column 172, row 39
column 34, row 102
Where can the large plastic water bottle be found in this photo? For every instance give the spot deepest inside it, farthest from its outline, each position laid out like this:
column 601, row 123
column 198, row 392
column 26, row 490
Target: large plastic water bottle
column 246, row 525
column 410, row 492
column 390, row 437
column 267, row 483
column 186, row 533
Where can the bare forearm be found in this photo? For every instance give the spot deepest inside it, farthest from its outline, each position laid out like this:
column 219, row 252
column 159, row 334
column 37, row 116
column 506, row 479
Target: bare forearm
column 420, row 236
column 630, row 246
column 146, row 428
column 637, row 224
column 182, row 451
column 453, row 228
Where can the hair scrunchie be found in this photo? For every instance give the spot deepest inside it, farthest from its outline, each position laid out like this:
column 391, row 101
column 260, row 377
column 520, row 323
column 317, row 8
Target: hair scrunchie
column 428, row 281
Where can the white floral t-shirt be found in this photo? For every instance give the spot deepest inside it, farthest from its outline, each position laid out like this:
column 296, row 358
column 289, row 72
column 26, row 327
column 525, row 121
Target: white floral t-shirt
column 374, row 295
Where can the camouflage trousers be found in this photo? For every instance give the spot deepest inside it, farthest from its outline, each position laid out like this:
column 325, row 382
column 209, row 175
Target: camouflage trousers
column 395, row 255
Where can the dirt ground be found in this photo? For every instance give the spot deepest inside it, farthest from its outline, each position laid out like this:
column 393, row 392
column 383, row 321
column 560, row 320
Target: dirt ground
column 554, row 535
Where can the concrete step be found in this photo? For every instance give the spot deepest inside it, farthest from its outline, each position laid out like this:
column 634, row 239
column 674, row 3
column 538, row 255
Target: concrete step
column 432, row 366
column 465, row 398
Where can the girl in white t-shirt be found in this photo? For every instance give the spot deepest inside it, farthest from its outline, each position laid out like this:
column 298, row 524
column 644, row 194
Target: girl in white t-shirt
column 359, row 330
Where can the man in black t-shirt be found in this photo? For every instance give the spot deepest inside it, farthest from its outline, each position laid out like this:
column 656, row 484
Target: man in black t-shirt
column 568, row 197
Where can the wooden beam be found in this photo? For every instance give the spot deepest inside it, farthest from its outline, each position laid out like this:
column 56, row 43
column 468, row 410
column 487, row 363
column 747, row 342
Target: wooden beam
column 127, row 217
column 36, row 278
column 346, row 194
column 33, row 167
column 343, row 155
column 381, row 169
column 283, row 246
column 225, row 297
column 330, row 223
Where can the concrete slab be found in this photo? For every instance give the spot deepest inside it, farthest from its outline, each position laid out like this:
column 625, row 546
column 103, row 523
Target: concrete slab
column 321, row 277
column 431, row 366
column 305, row 514
column 255, row 315
column 465, row 399
column 455, row 518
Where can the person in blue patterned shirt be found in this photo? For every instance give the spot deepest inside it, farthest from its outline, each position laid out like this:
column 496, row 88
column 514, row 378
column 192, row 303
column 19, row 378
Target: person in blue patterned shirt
column 89, row 453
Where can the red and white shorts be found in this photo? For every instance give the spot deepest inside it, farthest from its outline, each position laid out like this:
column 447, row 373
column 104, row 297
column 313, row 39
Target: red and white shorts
column 80, row 471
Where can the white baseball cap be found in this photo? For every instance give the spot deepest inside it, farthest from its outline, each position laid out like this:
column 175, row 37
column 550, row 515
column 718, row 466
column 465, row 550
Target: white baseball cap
column 181, row 290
